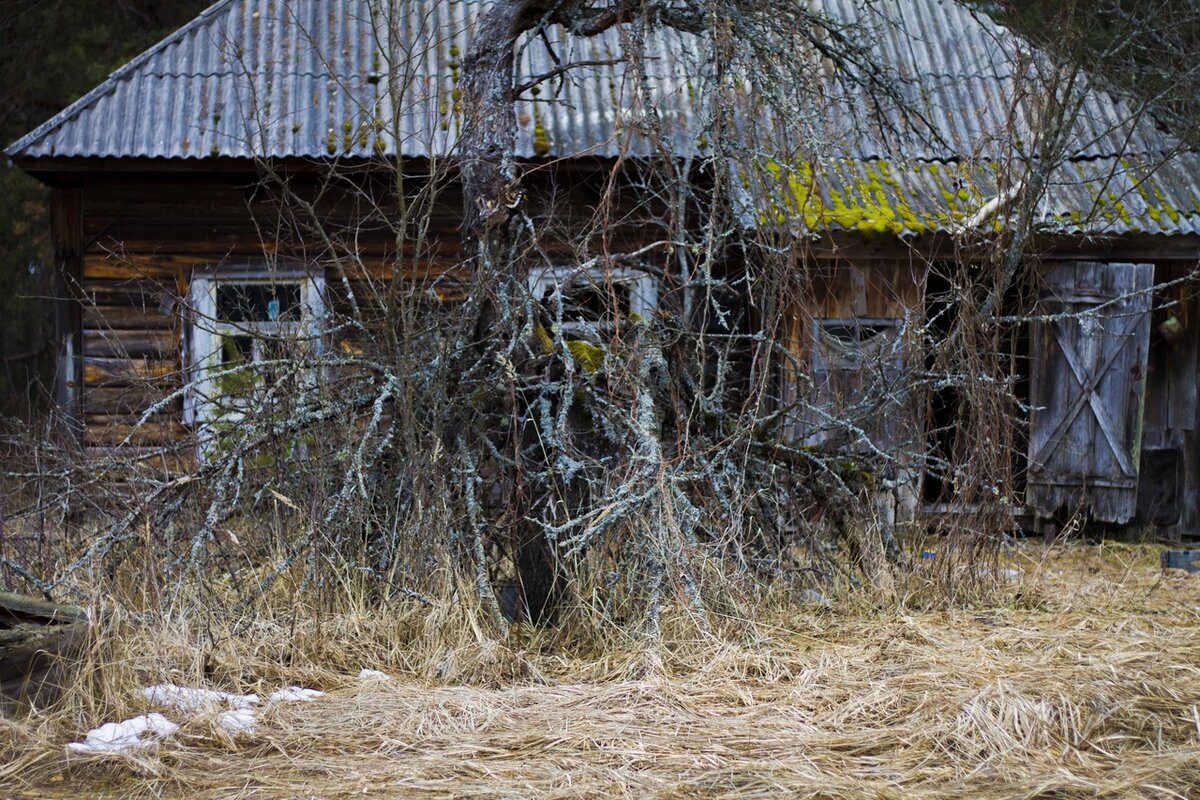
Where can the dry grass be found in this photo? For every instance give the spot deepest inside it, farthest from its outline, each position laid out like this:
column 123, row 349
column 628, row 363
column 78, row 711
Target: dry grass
column 1084, row 683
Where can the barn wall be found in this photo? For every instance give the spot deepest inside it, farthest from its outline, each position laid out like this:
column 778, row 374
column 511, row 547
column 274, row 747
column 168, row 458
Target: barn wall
column 875, row 283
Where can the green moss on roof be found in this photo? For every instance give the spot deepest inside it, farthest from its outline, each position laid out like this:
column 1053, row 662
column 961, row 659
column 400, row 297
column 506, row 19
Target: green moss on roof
column 864, row 196
column 881, row 197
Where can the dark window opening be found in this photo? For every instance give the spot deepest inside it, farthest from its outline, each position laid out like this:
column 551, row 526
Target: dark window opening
column 588, row 303
column 257, row 302
column 1158, row 486
column 947, row 407
column 236, row 350
column 945, row 404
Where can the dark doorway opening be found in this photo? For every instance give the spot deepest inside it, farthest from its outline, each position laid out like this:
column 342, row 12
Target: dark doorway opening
column 947, row 407
column 945, row 404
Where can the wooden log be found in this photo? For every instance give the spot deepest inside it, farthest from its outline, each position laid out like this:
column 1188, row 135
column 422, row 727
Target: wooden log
column 129, row 292
column 129, row 343
column 125, row 316
column 129, row 371
column 177, row 459
column 37, row 638
column 109, row 431
column 102, row 266
column 17, row 609
column 121, row 401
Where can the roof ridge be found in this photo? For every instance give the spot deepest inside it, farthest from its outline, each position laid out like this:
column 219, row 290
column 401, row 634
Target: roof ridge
column 114, row 77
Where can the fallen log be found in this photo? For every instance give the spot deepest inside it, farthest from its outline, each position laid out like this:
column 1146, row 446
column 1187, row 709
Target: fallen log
column 35, row 638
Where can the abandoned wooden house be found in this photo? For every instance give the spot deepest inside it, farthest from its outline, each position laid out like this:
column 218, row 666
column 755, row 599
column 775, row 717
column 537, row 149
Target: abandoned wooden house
column 158, row 207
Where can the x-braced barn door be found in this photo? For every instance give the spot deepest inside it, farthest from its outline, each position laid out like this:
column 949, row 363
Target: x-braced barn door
column 1088, row 359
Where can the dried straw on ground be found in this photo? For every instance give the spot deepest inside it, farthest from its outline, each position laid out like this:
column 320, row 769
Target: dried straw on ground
column 1085, row 684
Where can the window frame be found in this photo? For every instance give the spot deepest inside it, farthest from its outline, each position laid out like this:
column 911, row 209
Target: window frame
column 643, row 294
column 201, row 405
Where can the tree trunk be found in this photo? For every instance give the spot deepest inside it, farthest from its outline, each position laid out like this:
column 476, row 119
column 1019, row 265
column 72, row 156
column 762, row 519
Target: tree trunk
column 487, row 142
column 491, row 232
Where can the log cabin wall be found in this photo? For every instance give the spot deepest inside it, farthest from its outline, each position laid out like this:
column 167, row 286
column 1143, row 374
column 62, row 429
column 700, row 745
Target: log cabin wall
column 143, row 233
column 128, row 242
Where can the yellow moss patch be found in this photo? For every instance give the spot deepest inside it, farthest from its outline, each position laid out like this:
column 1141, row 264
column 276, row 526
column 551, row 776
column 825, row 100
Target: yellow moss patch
column 588, row 356
column 867, row 197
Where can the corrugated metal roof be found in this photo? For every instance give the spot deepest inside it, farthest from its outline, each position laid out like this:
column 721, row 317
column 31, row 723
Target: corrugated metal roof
column 316, row 78
column 319, row 78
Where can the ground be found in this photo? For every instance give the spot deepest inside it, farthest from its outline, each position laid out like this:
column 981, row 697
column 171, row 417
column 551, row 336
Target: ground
column 1085, row 683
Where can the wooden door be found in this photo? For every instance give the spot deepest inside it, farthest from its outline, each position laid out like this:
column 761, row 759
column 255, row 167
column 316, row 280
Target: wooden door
column 1088, row 355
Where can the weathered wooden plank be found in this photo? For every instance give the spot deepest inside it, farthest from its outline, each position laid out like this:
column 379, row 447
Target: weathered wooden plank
column 110, row 431
column 18, row 608
column 156, row 268
column 878, row 290
column 33, row 633
column 125, row 316
column 121, row 400
column 1181, row 397
column 129, row 344
column 128, row 371
column 175, row 459
column 103, row 266
column 130, row 292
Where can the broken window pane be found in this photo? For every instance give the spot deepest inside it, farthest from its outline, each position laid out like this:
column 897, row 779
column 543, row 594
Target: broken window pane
column 257, row 302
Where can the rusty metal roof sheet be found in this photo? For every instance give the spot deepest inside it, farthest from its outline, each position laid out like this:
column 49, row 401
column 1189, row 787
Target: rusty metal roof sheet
column 323, row 78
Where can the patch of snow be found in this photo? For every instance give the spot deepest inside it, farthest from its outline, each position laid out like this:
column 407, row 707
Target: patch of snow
column 239, row 722
column 120, row 737
column 813, row 596
column 237, row 715
column 373, row 675
column 184, row 698
column 1007, row 572
column 295, row 694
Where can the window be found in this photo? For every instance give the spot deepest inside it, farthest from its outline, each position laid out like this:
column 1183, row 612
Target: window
column 594, row 299
column 247, row 331
column 853, row 361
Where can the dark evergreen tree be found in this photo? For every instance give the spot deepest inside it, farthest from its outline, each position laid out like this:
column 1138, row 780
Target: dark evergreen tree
column 51, row 52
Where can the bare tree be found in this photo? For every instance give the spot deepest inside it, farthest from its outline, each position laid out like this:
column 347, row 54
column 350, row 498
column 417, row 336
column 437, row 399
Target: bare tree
column 615, row 398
